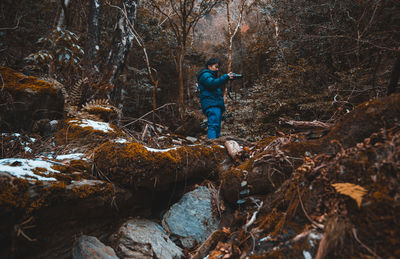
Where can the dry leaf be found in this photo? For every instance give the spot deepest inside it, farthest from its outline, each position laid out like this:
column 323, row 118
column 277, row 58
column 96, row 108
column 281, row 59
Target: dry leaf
column 354, row 191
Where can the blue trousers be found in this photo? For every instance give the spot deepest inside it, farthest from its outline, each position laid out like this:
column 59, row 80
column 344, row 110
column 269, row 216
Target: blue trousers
column 214, row 117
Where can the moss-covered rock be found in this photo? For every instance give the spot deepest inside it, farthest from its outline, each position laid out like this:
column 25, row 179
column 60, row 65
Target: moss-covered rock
column 85, row 131
column 27, row 99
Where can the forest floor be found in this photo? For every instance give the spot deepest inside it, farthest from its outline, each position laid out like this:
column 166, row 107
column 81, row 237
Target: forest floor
column 314, row 193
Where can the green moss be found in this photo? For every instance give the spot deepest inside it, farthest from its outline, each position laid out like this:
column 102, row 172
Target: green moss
column 16, row 82
column 74, row 131
column 132, row 164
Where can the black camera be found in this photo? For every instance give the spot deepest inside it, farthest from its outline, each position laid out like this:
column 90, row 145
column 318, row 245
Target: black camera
column 236, row 76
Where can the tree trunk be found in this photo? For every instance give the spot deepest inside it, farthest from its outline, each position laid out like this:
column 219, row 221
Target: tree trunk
column 93, row 36
column 229, row 64
column 119, row 52
column 179, row 64
column 394, row 77
column 63, row 14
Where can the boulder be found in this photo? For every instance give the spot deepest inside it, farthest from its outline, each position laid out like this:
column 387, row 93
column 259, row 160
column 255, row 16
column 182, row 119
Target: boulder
column 142, row 238
column 86, row 131
column 193, row 219
column 88, row 247
column 26, row 100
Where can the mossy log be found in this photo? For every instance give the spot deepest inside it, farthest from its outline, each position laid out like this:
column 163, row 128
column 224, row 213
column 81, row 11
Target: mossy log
column 134, row 165
column 367, row 118
column 27, row 99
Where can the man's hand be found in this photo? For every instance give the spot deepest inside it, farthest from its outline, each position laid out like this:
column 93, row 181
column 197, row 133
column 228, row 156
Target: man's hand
column 230, row 74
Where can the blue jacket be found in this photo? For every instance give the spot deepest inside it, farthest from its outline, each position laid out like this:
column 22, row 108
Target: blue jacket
column 210, row 89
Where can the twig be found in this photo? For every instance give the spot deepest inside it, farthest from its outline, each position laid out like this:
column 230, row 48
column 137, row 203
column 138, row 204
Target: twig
column 253, row 218
column 162, row 106
column 2, row 82
column 13, row 28
column 354, row 230
column 321, row 226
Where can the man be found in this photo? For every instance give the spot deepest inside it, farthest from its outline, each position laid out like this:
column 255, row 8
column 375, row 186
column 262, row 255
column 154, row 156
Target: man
column 211, row 97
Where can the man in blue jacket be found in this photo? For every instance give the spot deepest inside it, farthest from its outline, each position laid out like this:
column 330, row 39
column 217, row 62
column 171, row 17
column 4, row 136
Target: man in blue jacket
column 211, row 98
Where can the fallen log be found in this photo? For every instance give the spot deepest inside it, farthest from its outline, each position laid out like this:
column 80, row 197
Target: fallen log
column 137, row 166
column 306, row 124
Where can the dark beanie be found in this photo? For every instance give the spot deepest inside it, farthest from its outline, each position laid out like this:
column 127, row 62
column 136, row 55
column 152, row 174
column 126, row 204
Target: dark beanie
column 211, row 62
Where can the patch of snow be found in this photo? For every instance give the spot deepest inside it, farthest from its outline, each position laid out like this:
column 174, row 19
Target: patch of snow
column 265, row 238
column 241, row 201
column 314, row 236
column 73, row 156
column 120, row 140
column 307, row 255
column 28, row 149
column 32, row 139
column 191, row 139
column 95, row 125
column 317, row 236
column 12, row 134
column 25, row 167
column 160, row 150
column 53, row 122
column 97, row 47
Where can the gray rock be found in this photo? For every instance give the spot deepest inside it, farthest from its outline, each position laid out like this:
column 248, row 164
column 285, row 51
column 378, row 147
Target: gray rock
column 88, row 247
column 192, row 219
column 142, row 238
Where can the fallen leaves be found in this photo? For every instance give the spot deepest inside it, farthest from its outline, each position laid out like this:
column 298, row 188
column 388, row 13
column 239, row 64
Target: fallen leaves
column 356, row 192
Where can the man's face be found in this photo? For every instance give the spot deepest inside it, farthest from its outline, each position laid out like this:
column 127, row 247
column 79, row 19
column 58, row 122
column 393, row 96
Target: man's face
column 214, row 67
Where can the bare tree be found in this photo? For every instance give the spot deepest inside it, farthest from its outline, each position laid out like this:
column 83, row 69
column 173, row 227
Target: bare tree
column 122, row 43
column 93, row 35
column 238, row 7
column 182, row 17
column 63, row 14
column 153, row 77
column 394, row 76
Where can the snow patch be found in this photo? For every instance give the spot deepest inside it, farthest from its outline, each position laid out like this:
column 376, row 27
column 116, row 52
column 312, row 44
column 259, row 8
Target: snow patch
column 95, row 125
column 307, row 255
column 265, row 238
column 120, row 140
column 23, row 168
column 73, row 156
column 160, row 150
column 11, row 134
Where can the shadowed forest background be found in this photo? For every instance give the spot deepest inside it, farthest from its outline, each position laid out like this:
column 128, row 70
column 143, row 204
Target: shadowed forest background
column 103, row 139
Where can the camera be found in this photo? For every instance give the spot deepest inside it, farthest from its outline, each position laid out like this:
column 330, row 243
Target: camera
column 236, row 76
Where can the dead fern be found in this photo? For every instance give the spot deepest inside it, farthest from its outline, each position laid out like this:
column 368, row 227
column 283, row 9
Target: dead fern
column 76, row 91
column 356, row 192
